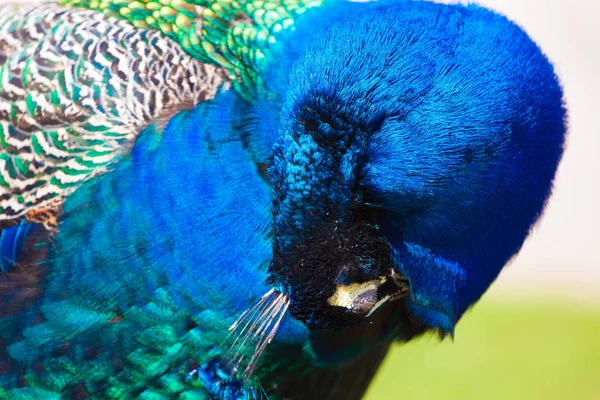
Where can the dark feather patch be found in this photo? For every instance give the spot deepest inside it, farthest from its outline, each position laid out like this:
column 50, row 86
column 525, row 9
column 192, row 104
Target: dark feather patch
column 23, row 249
column 349, row 358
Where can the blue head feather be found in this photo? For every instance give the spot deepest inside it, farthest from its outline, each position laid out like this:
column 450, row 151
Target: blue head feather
column 435, row 129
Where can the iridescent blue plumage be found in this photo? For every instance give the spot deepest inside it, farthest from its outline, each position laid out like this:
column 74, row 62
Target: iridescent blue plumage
column 11, row 244
column 446, row 123
column 153, row 263
column 395, row 163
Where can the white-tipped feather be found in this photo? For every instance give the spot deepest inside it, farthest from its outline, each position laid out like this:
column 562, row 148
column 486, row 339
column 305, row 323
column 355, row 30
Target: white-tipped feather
column 255, row 329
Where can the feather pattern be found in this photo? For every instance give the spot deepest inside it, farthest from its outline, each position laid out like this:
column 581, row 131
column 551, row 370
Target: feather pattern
column 235, row 35
column 76, row 87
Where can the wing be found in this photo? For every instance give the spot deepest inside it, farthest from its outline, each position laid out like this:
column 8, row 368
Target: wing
column 76, row 87
column 234, row 35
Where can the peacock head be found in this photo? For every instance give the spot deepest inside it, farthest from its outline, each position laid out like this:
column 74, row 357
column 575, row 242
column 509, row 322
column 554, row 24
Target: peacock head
column 408, row 125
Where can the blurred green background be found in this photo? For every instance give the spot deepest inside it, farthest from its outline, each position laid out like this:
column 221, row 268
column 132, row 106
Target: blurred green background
column 502, row 350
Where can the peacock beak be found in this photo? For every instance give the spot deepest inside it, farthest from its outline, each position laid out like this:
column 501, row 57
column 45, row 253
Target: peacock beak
column 365, row 298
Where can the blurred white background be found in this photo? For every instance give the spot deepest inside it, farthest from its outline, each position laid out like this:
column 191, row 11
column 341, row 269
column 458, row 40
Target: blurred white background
column 562, row 256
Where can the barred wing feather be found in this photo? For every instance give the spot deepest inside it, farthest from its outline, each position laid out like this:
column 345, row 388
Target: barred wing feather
column 76, row 87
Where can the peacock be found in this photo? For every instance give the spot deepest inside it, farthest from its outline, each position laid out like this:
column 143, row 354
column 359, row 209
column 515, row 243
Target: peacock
column 251, row 199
